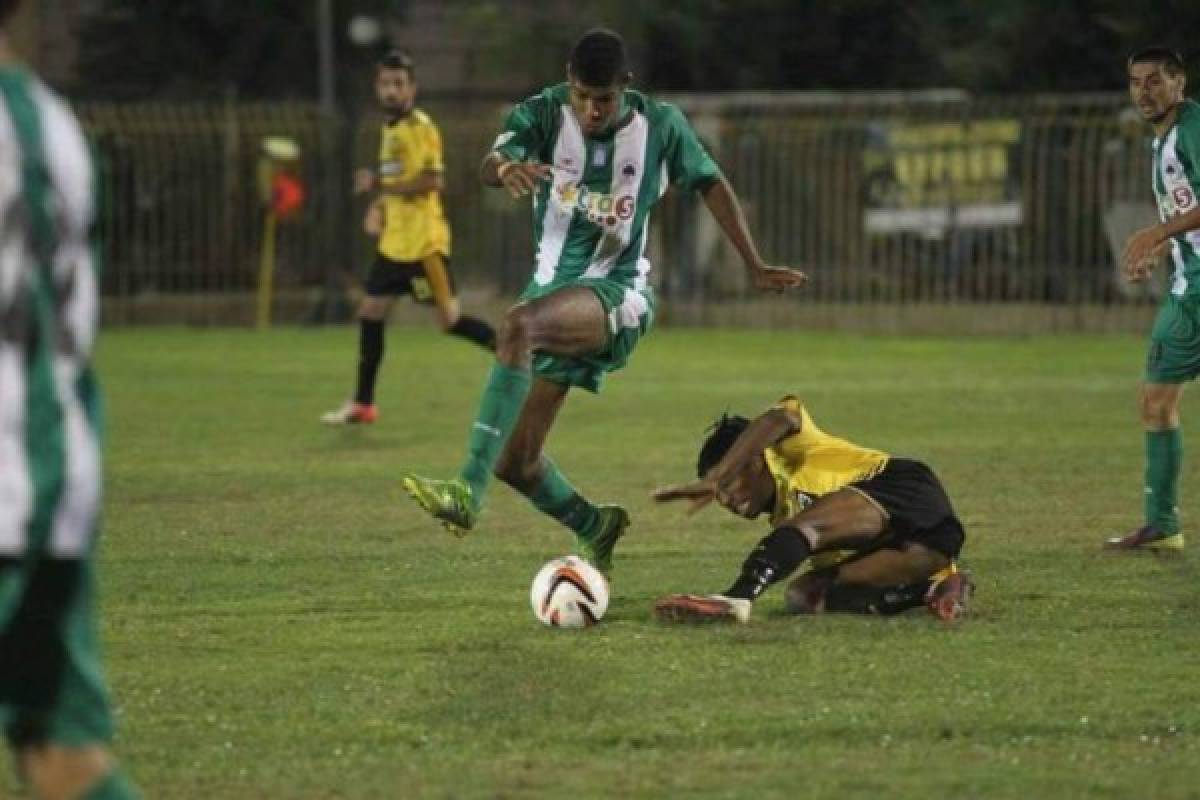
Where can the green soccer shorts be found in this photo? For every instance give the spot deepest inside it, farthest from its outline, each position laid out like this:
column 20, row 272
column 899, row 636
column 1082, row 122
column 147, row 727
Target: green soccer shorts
column 630, row 314
column 51, row 685
column 1174, row 355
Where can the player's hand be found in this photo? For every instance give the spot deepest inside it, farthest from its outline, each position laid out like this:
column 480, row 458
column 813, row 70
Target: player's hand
column 373, row 221
column 700, row 493
column 364, row 181
column 1142, row 251
column 778, row 279
column 522, row 177
column 1141, row 271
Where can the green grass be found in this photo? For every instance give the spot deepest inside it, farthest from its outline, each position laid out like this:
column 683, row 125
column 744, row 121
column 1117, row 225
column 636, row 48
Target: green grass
column 280, row 621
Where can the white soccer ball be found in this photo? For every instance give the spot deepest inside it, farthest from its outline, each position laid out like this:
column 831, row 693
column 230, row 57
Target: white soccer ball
column 569, row 592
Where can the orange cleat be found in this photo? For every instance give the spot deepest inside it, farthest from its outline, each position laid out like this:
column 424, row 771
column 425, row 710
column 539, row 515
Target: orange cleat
column 351, row 414
column 948, row 598
column 702, row 608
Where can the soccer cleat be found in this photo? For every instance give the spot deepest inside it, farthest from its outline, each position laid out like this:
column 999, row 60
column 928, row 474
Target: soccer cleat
column 598, row 548
column 947, row 598
column 351, row 414
column 449, row 501
column 1146, row 538
column 702, row 608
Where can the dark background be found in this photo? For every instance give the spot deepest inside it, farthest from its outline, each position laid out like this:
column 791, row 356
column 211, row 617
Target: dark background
column 266, row 49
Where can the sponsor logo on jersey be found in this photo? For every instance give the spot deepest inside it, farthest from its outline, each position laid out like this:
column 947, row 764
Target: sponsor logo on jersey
column 605, row 210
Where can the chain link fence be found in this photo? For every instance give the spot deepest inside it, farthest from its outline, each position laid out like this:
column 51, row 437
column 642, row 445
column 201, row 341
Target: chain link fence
column 920, row 210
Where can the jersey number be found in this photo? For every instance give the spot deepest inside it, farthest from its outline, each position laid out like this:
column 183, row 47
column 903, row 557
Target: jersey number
column 1183, row 197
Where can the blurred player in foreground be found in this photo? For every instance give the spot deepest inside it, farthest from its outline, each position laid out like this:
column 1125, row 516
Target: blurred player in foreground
column 53, row 704
column 596, row 157
column 1156, row 83
column 414, row 238
column 879, row 530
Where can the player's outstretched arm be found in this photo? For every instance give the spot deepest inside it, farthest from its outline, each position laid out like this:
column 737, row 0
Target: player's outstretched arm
column 765, row 431
column 725, row 208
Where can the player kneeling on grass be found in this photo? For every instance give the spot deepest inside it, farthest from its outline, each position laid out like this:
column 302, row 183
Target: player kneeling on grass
column 879, row 531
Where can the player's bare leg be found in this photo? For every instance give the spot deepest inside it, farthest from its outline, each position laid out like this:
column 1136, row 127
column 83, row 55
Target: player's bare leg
column 54, row 771
column 446, row 310
column 886, row 581
column 524, row 466
column 845, row 519
column 372, row 313
column 568, row 322
column 520, row 464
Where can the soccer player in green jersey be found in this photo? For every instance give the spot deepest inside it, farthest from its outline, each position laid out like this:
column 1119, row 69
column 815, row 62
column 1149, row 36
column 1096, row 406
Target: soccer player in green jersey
column 53, row 705
column 595, row 156
column 1156, row 84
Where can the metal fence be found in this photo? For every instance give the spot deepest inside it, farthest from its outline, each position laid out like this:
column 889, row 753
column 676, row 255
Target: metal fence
column 900, row 201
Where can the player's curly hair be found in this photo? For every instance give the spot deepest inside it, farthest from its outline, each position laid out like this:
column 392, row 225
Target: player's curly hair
column 598, row 58
column 721, row 436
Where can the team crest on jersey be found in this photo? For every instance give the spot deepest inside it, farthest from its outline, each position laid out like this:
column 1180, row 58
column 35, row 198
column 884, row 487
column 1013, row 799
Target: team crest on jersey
column 600, row 209
column 1173, row 172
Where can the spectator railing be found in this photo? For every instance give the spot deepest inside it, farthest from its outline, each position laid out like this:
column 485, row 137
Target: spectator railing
column 922, row 203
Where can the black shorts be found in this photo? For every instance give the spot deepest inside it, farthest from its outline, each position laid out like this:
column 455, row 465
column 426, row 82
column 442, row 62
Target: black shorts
column 396, row 278
column 917, row 507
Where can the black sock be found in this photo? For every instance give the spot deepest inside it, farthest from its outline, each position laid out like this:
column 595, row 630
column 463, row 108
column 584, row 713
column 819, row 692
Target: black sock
column 862, row 599
column 776, row 557
column 476, row 330
column 370, row 354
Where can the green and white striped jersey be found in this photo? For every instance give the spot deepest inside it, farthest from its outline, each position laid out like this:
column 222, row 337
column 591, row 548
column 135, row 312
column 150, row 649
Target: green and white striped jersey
column 1176, row 182
column 49, row 406
column 590, row 220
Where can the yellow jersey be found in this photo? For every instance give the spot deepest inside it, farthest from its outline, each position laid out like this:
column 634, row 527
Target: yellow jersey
column 414, row 227
column 811, row 463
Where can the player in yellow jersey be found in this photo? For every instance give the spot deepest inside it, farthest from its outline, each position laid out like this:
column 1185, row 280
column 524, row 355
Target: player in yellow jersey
column 414, row 238
column 879, row 531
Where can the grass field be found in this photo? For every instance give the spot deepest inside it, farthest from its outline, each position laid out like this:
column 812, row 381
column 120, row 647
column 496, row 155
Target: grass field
column 280, row 622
